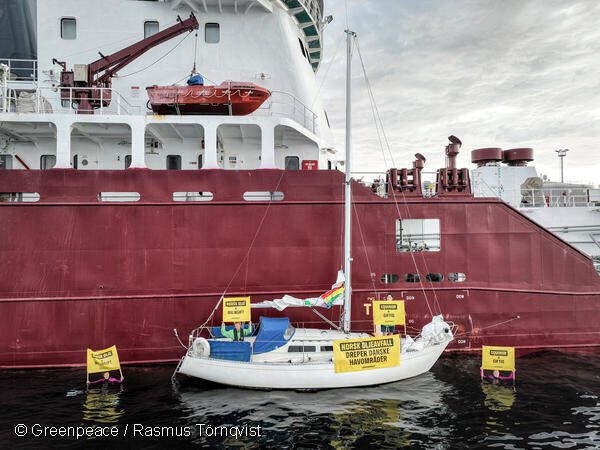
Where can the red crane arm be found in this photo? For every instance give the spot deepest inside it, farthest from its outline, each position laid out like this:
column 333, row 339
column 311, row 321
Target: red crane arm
column 115, row 62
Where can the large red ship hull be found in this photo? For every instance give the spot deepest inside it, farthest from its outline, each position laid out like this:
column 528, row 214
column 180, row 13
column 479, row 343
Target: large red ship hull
column 78, row 273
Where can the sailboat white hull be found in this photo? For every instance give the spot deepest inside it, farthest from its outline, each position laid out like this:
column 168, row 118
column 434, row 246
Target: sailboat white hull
column 310, row 376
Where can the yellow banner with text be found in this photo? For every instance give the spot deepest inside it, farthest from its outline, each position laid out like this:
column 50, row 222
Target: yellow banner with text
column 498, row 358
column 352, row 355
column 388, row 312
column 236, row 309
column 103, row 360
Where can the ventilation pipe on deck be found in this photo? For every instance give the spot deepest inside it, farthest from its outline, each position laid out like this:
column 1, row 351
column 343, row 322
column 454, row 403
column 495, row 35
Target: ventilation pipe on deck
column 452, row 151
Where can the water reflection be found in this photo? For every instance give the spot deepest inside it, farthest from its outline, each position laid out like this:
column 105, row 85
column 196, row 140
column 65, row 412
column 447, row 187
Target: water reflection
column 556, row 406
column 102, row 406
column 498, row 398
column 395, row 413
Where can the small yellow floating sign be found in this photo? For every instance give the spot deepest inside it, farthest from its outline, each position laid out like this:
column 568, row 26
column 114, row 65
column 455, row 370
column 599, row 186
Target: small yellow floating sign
column 103, row 360
column 236, row 309
column 352, row 355
column 388, row 312
column 498, row 358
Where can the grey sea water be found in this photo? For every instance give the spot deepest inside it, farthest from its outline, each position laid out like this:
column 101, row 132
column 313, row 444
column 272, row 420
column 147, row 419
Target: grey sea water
column 555, row 405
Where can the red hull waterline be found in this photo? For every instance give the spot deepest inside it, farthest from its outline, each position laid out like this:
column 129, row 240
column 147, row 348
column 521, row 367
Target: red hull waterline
column 78, row 273
column 229, row 98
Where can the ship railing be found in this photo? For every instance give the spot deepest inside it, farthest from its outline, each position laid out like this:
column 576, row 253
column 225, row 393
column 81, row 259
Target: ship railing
column 559, row 197
column 284, row 104
column 64, row 100
column 20, row 70
column 376, row 180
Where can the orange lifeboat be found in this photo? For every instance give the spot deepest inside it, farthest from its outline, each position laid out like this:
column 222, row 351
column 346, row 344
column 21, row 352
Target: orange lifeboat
column 230, row 98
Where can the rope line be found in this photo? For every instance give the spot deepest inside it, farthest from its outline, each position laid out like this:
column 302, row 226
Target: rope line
column 382, row 137
column 158, row 60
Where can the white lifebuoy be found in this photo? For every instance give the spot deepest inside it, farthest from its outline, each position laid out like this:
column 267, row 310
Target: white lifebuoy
column 201, row 347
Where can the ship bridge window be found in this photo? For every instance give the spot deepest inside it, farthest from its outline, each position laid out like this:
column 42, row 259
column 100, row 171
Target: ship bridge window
column 457, row 277
column 150, row 27
column 174, row 162
column 5, row 162
column 212, row 33
column 47, row 161
column 418, row 235
column 292, row 163
column 68, row 28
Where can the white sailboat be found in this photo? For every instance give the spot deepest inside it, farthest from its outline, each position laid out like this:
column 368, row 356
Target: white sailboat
column 280, row 356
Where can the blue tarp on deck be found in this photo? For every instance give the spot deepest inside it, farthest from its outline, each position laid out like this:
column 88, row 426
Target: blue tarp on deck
column 271, row 334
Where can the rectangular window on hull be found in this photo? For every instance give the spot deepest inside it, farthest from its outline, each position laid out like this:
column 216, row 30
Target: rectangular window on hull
column 300, row 348
column 412, row 277
column 47, row 161
column 174, row 162
column 292, row 163
column 150, row 27
column 418, row 235
column 212, row 33
column 457, row 277
column 390, row 278
column 434, row 277
column 68, row 28
column 127, row 161
column 18, row 197
column 5, row 162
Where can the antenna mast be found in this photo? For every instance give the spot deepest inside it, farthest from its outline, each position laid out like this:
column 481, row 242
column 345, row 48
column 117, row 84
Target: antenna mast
column 350, row 35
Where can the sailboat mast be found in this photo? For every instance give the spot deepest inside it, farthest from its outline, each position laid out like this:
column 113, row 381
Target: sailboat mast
column 348, row 187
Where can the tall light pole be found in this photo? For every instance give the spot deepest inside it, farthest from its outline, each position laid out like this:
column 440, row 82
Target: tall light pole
column 561, row 154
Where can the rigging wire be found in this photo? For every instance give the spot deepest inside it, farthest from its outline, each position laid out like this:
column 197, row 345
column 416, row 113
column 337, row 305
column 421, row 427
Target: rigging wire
column 195, row 52
column 245, row 259
column 377, row 119
column 262, row 220
column 158, row 60
column 362, row 237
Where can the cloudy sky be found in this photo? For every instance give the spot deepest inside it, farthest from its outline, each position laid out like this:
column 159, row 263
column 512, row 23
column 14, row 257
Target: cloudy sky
column 496, row 73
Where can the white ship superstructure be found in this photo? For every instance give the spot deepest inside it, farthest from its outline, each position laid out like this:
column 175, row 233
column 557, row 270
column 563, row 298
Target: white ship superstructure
column 274, row 44
column 570, row 211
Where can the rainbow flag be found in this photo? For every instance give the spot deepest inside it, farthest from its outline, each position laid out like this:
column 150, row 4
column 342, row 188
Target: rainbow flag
column 332, row 295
